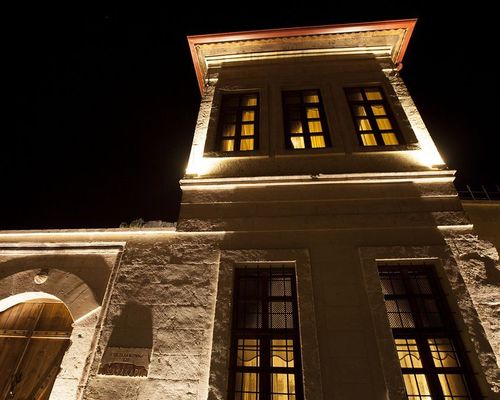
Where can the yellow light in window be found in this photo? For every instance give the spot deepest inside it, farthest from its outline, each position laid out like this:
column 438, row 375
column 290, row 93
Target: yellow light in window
column 373, row 94
column 315, row 126
column 247, row 130
column 312, row 113
column 453, row 385
column 443, row 353
column 378, row 109
column 246, row 144
column 296, row 127
column 249, row 101
column 248, row 115
column 416, row 384
column 317, row 142
column 282, row 385
column 228, row 145
column 384, row 123
column 364, row 125
column 390, row 139
column 408, row 354
column 282, row 353
column 248, row 353
column 311, row 97
column 359, row 111
column 298, row 142
column 247, row 383
column 368, row 139
column 228, row 130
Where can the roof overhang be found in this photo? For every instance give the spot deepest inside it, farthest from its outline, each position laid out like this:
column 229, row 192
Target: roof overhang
column 382, row 39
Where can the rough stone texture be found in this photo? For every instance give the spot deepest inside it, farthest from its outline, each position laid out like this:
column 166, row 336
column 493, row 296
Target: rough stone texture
column 479, row 266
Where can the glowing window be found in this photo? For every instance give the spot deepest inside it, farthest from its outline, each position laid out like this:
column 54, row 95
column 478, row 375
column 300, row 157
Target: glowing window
column 239, row 122
column 374, row 123
column 305, row 122
column 426, row 340
column 265, row 349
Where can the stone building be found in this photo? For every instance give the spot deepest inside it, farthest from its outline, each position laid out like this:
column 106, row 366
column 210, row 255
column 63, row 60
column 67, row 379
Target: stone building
column 321, row 251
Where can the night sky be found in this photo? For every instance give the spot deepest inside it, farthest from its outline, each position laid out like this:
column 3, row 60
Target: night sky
column 104, row 100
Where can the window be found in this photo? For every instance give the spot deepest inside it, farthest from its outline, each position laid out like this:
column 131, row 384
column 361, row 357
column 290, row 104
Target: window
column 305, row 122
column 265, row 350
column 373, row 120
column 239, row 122
column 427, row 343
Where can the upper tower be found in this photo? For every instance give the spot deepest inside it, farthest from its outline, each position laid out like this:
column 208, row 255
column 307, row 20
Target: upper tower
column 319, row 101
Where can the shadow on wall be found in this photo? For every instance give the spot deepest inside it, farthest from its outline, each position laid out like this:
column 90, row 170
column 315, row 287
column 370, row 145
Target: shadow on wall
column 133, row 327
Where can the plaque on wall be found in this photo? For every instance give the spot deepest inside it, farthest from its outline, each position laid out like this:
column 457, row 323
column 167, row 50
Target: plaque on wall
column 125, row 361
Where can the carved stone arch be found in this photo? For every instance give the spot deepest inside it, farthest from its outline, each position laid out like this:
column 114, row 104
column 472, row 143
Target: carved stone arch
column 69, row 288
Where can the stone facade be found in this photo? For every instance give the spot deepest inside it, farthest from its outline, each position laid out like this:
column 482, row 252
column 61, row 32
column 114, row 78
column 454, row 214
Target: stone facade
column 333, row 214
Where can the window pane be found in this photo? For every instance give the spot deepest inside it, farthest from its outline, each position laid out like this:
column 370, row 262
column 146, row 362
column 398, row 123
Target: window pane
column 359, row 111
column 246, row 144
column 443, row 353
column 247, row 386
column 249, row 101
column 392, row 284
column 293, row 114
column 249, row 314
column 292, row 98
column 408, row 354
column 230, row 117
column 282, row 353
column 247, row 130
column 248, row 115
column 248, row 353
column 399, row 314
column 453, row 385
column 230, row 101
column 364, row 124
column 227, row 145
column 249, row 286
column 280, row 285
column 312, row 113
column 282, row 384
column 311, row 97
column 315, row 126
column 355, row 95
column 296, row 127
column 297, row 142
column 378, row 109
column 229, row 130
column 373, row 94
column 390, row 139
column 429, row 312
column 416, row 386
column 384, row 123
column 419, row 283
column 280, row 314
column 368, row 139
column 317, row 142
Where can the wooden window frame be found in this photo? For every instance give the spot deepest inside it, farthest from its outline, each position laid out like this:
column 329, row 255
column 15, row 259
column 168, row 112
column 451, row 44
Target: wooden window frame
column 366, row 103
column 306, row 134
column 265, row 334
column 225, row 110
column 422, row 333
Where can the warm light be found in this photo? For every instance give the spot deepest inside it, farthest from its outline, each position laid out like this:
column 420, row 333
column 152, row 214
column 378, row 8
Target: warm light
column 428, row 157
column 201, row 165
column 22, row 298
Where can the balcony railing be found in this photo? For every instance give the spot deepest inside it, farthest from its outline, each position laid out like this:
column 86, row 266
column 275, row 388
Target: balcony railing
column 479, row 192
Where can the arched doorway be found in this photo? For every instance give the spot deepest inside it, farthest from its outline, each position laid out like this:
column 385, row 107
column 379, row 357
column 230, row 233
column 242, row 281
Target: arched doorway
column 34, row 336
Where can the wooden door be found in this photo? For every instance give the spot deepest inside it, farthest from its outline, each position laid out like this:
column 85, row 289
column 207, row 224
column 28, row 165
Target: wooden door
column 33, row 339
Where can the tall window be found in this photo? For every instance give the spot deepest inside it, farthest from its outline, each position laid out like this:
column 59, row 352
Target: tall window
column 305, row 122
column 427, row 343
column 265, row 350
column 373, row 120
column 239, row 122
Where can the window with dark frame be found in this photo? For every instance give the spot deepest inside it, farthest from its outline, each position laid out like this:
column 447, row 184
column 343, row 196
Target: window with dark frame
column 238, row 122
column 426, row 339
column 374, row 122
column 265, row 351
column 305, row 122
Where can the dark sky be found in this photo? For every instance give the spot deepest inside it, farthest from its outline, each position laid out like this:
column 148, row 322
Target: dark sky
column 104, row 100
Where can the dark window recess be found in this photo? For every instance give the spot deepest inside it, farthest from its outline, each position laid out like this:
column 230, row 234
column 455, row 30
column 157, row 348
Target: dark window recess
column 374, row 122
column 305, row 122
column 239, row 122
column 428, row 346
column 265, row 351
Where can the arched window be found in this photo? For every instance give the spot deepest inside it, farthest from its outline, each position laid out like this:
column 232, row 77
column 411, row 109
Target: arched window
column 33, row 339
